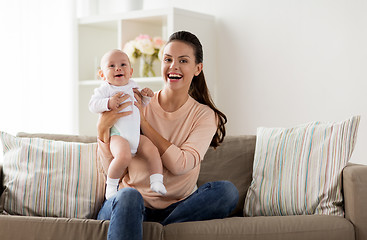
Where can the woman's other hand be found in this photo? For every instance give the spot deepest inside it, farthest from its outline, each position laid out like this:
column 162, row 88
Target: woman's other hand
column 108, row 119
column 138, row 104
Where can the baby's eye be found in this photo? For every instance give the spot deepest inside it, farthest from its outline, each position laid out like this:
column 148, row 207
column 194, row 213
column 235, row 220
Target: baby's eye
column 123, row 64
column 111, row 65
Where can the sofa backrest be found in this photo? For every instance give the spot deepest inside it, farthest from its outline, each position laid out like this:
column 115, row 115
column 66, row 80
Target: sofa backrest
column 1, row 180
column 59, row 137
column 232, row 161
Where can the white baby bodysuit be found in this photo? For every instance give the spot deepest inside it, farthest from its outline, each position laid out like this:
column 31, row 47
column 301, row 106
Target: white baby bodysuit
column 128, row 126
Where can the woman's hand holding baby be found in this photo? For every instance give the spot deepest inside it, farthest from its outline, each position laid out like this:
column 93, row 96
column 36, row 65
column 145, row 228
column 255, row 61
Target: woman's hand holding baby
column 109, row 118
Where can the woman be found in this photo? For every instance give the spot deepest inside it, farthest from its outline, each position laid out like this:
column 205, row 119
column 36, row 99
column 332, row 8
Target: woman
column 182, row 122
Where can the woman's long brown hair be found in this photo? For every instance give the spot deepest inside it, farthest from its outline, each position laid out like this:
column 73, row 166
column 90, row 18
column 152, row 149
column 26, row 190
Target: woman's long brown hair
column 198, row 88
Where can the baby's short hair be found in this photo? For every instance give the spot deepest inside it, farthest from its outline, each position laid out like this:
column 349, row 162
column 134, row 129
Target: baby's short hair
column 107, row 54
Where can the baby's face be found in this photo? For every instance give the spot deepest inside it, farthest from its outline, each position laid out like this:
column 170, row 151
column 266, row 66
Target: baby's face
column 116, row 68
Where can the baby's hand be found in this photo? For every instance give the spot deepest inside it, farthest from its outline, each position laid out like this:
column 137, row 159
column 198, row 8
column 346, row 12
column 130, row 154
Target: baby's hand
column 147, row 92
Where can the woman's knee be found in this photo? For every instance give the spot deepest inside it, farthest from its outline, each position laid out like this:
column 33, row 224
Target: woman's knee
column 125, row 199
column 128, row 198
column 231, row 189
column 228, row 193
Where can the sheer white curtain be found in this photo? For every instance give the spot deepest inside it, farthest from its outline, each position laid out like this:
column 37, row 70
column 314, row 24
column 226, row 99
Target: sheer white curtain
column 38, row 67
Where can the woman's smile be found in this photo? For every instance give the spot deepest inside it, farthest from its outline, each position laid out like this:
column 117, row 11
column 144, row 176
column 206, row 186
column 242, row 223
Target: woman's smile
column 174, row 77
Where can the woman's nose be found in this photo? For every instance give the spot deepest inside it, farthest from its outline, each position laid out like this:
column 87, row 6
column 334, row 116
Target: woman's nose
column 174, row 65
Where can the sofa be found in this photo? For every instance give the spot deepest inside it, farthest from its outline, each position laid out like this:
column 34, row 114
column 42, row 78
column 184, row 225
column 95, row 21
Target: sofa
column 232, row 161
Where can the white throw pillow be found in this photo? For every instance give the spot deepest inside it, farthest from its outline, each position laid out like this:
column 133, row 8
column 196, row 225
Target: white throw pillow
column 51, row 178
column 298, row 170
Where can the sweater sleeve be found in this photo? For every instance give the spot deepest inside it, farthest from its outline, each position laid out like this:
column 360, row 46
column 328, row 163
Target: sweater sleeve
column 145, row 100
column 104, row 154
column 181, row 159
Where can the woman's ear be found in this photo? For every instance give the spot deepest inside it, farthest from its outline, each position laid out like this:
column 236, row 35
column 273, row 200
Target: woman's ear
column 199, row 68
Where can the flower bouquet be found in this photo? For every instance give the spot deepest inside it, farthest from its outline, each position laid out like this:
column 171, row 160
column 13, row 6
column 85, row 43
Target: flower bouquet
column 146, row 48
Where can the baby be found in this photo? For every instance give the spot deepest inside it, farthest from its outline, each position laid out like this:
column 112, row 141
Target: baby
column 125, row 140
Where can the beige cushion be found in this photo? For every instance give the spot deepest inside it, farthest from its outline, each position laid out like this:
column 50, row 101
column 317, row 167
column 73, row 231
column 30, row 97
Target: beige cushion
column 51, row 178
column 39, row 228
column 298, row 170
column 263, row 228
column 231, row 161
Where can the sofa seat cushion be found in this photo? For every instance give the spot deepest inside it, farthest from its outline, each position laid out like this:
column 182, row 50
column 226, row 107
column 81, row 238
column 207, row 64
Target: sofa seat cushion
column 36, row 228
column 316, row 227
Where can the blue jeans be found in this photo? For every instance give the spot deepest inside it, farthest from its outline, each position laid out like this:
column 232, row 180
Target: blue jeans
column 126, row 210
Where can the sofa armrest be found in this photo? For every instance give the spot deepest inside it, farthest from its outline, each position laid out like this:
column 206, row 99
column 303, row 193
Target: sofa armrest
column 355, row 198
column 1, row 179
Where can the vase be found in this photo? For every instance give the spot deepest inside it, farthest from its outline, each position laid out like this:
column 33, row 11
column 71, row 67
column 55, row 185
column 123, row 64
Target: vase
column 146, row 66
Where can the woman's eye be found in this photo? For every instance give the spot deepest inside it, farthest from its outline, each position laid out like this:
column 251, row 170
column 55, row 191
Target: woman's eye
column 183, row 61
column 167, row 60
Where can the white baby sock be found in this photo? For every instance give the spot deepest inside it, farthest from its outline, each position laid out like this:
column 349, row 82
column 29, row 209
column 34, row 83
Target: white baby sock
column 156, row 184
column 111, row 187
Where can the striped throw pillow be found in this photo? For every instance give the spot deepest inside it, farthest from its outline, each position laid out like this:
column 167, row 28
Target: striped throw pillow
column 297, row 171
column 51, row 178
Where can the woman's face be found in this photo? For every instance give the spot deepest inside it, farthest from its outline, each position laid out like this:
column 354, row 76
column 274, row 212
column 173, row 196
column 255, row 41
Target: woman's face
column 178, row 65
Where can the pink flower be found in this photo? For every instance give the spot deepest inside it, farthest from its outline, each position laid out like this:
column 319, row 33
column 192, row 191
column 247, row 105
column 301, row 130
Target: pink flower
column 144, row 45
column 143, row 37
column 158, row 42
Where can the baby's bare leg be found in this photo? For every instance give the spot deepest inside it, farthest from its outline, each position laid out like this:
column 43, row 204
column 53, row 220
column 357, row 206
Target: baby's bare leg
column 148, row 151
column 121, row 153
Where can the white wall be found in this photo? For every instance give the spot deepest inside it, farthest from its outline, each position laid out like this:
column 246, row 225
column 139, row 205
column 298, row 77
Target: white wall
column 287, row 62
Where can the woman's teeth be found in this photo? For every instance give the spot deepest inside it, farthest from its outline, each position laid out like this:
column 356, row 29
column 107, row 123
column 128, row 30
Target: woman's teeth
column 174, row 76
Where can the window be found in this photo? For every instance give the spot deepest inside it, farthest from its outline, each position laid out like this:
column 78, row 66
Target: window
column 37, row 86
